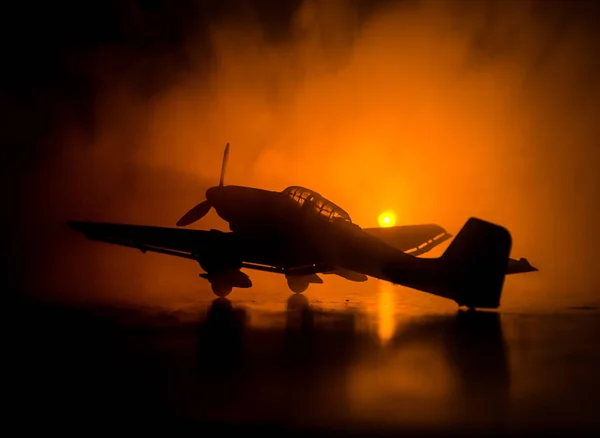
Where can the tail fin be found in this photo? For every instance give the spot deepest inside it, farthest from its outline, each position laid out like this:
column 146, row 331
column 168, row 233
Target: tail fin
column 477, row 260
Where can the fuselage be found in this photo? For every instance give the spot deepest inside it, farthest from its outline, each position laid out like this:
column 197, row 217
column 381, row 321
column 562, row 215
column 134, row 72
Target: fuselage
column 274, row 229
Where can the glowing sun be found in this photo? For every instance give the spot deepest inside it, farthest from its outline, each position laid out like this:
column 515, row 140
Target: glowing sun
column 387, row 219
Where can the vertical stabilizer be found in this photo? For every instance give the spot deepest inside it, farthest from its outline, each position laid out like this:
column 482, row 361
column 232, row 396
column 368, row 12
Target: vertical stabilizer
column 477, row 261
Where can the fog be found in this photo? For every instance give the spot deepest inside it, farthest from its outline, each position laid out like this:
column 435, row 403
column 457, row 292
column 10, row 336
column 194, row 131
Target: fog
column 437, row 110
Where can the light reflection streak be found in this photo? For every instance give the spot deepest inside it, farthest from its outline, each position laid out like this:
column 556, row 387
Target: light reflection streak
column 386, row 323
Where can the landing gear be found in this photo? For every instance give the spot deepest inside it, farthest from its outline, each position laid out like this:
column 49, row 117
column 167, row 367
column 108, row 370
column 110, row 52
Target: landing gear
column 222, row 283
column 221, row 289
column 297, row 284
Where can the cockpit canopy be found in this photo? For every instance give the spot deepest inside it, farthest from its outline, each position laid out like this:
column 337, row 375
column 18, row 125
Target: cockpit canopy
column 320, row 204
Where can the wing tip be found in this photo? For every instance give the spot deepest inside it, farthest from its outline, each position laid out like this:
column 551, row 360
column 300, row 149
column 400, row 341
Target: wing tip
column 75, row 225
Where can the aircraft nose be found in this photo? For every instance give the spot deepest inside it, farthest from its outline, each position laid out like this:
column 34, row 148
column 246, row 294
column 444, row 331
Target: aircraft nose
column 211, row 193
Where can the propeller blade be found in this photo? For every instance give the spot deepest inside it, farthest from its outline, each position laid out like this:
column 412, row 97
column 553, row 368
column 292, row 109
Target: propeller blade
column 224, row 165
column 195, row 214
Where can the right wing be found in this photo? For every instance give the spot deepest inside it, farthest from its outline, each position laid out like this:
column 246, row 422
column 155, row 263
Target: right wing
column 412, row 239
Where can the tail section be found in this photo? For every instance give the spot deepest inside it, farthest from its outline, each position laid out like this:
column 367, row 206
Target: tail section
column 476, row 262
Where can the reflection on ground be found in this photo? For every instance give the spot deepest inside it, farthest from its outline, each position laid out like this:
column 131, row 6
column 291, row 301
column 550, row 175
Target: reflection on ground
column 324, row 369
column 311, row 366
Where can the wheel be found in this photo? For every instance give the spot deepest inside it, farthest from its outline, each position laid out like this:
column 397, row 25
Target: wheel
column 297, row 284
column 221, row 289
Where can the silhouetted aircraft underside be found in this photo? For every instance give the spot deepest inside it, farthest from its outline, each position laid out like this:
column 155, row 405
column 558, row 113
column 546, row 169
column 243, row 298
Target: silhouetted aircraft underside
column 198, row 244
column 300, row 234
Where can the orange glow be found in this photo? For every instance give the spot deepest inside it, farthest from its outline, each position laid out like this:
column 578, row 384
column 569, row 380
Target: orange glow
column 387, row 219
column 425, row 110
column 386, row 312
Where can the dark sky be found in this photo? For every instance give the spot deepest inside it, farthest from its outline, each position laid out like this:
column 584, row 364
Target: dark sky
column 119, row 111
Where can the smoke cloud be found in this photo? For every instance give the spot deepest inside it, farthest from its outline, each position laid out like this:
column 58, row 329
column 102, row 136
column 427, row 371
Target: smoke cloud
column 439, row 110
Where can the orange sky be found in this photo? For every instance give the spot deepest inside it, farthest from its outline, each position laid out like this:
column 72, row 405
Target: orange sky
column 407, row 112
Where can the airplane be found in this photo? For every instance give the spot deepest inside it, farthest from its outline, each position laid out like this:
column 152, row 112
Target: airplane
column 299, row 233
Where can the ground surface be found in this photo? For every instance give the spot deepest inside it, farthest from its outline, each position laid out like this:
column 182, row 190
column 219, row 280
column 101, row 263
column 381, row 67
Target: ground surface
column 302, row 363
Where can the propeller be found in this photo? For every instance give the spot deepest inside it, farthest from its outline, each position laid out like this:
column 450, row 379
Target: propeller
column 224, row 165
column 199, row 211
column 195, row 214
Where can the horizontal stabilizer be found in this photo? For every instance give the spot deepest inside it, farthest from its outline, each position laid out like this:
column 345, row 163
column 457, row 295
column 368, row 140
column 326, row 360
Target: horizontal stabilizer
column 520, row 266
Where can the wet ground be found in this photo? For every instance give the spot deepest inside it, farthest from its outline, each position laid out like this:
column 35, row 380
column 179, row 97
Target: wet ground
column 302, row 364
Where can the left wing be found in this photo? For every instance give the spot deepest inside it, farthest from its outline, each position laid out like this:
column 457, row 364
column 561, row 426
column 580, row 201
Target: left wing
column 412, row 239
column 172, row 241
column 217, row 246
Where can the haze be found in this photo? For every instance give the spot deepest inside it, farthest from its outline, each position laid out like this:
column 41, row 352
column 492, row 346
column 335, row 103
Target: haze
column 436, row 110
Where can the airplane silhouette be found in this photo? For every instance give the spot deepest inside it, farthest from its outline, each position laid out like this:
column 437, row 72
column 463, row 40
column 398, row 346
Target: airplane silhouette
column 299, row 233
